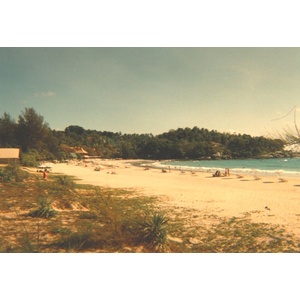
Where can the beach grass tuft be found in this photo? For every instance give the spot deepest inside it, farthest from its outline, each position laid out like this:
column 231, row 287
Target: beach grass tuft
column 44, row 209
column 154, row 231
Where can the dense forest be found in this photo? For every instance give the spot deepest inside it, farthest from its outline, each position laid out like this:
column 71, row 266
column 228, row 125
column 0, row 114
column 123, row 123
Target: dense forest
column 38, row 141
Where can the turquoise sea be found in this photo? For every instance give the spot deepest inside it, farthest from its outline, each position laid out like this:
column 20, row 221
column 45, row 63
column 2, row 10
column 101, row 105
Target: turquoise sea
column 289, row 167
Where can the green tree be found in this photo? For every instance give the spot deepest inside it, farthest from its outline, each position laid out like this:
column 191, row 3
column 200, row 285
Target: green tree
column 32, row 132
column 7, row 131
column 75, row 128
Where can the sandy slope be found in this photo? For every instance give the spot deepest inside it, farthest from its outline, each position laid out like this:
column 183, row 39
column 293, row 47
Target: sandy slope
column 227, row 196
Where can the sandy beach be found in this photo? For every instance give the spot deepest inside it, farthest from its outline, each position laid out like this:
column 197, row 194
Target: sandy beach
column 266, row 200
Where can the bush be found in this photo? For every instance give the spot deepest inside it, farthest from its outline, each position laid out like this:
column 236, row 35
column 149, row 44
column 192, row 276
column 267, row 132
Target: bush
column 4, row 176
column 44, row 209
column 75, row 241
column 65, row 182
column 29, row 159
column 12, row 172
column 154, row 231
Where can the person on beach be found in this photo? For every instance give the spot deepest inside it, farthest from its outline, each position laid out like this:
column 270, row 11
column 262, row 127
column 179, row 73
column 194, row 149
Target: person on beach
column 227, row 172
column 45, row 174
column 217, row 174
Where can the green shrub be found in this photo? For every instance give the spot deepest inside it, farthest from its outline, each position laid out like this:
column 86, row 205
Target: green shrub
column 154, row 231
column 29, row 159
column 12, row 172
column 66, row 182
column 44, row 209
column 75, row 241
column 4, row 176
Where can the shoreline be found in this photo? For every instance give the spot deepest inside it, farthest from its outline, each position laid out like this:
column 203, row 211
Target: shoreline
column 225, row 196
column 236, row 170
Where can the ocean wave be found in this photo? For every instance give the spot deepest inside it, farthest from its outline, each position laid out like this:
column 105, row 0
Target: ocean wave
column 254, row 171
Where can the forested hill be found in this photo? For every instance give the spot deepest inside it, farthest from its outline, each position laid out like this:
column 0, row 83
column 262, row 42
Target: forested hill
column 38, row 141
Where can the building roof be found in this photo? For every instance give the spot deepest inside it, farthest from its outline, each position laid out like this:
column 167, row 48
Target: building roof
column 78, row 150
column 9, row 153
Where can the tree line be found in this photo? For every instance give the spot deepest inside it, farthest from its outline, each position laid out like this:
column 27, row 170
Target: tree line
column 38, row 141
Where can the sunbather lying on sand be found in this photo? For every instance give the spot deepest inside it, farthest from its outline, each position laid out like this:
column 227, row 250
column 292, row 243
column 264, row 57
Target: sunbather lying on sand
column 219, row 174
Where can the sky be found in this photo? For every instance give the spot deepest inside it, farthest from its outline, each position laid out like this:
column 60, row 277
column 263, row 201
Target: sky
column 153, row 89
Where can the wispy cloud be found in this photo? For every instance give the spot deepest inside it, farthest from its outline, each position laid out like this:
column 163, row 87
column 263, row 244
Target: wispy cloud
column 44, row 94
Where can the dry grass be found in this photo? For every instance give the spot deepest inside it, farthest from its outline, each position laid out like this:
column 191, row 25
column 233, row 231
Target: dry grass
column 93, row 219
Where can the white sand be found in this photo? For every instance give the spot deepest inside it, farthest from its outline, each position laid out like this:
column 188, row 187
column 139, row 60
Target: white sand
column 227, row 196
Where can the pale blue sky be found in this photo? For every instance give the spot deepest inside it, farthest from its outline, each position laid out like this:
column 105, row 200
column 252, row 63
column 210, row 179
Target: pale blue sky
column 153, row 90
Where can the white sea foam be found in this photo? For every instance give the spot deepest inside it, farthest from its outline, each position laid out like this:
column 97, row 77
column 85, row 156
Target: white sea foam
column 260, row 167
